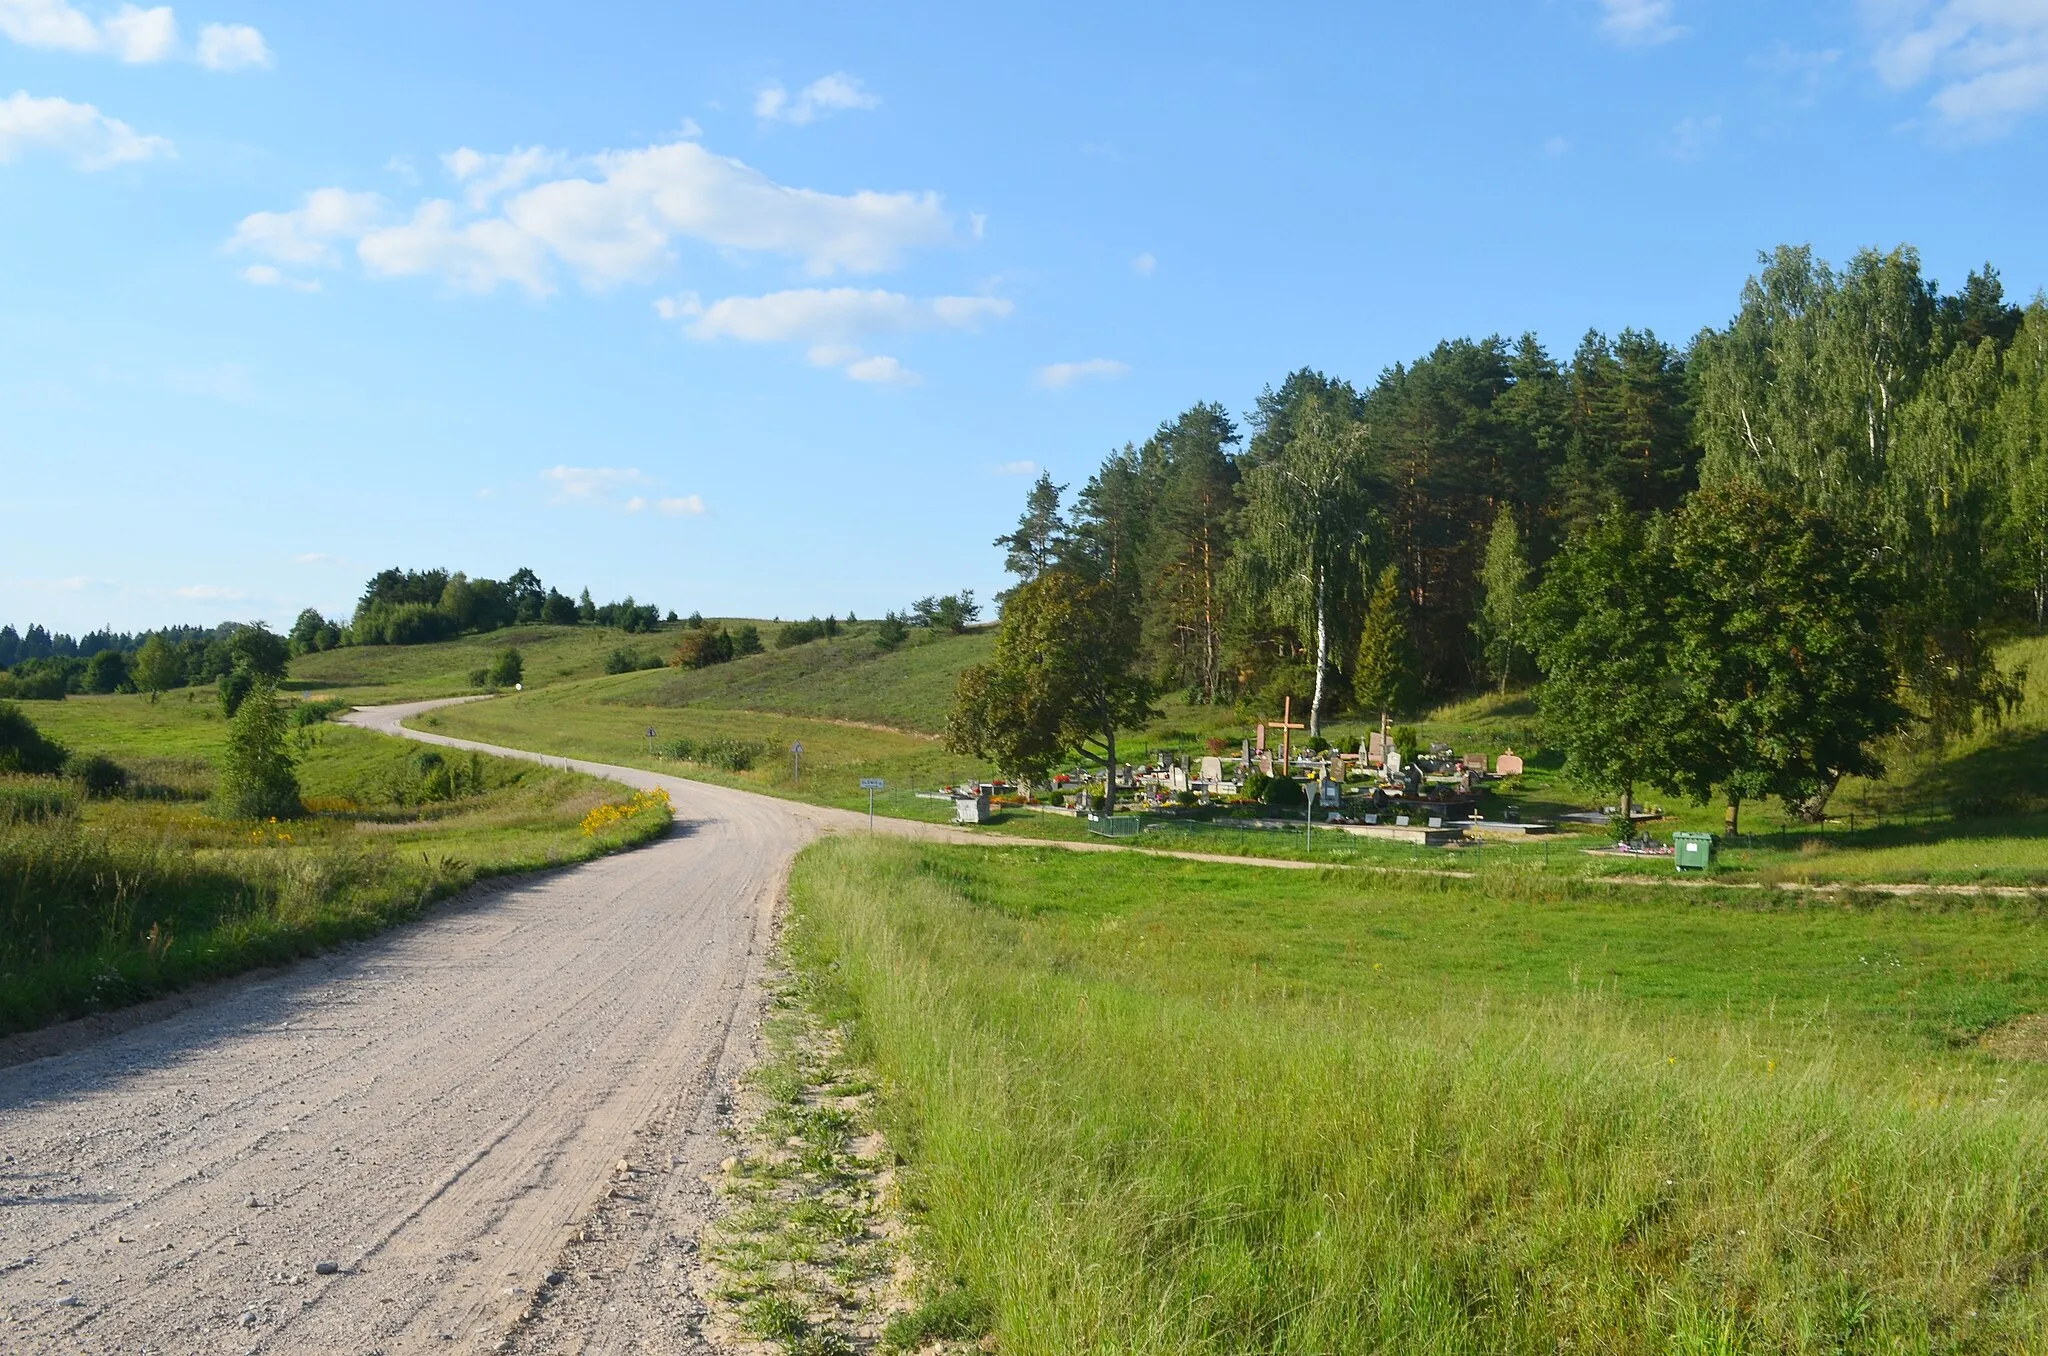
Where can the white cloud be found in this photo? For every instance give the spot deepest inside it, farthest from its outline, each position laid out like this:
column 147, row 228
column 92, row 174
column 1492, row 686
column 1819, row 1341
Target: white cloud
column 487, row 176
column 884, row 371
column 1014, row 468
column 269, row 275
column 1988, row 58
column 636, row 503
column 316, row 558
column 1057, row 375
column 89, row 137
column 589, row 484
column 204, row 591
column 308, row 233
column 834, row 93
column 835, row 323
column 618, row 220
column 142, row 36
column 1556, row 146
column 682, row 506
column 232, row 47
column 1692, row 138
column 473, row 256
column 1144, row 264
column 1640, row 23
column 132, row 34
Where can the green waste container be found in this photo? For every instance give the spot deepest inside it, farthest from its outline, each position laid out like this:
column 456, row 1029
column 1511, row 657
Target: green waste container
column 1692, row 851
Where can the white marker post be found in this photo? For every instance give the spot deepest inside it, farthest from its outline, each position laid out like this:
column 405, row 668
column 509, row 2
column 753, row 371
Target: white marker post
column 871, row 785
column 796, row 752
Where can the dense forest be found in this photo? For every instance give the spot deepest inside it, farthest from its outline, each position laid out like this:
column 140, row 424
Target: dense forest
column 1736, row 566
column 1247, row 552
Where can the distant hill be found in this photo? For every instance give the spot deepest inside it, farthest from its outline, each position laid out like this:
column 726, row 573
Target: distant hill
column 850, row 678
column 845, row 678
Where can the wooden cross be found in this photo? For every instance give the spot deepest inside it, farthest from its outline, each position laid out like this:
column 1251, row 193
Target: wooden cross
column 1286, row 725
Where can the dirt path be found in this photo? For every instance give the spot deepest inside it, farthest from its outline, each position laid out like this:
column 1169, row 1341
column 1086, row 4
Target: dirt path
column 436, row 1112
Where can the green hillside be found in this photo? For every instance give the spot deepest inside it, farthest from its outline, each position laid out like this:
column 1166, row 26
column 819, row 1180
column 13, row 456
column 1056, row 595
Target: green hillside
column 381, row 674
column 849, row 678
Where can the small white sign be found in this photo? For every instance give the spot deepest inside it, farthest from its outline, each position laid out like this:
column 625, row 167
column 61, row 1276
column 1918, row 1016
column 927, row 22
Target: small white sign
column 871, row 784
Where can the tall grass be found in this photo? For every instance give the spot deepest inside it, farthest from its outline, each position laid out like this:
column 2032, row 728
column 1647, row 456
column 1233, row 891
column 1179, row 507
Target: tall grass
column 1122, row 1159
column 146, row 898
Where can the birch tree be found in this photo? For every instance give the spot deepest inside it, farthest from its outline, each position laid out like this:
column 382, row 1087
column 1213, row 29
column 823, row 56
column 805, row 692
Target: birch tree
column 1307, row 525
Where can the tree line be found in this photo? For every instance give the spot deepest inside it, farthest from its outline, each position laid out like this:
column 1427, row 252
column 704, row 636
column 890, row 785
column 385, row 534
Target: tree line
column 1851, row 474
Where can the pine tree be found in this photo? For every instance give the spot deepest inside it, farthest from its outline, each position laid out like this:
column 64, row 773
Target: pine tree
column 1381, row 676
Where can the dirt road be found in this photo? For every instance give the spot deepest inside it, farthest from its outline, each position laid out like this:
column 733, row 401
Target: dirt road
column 437, row 1113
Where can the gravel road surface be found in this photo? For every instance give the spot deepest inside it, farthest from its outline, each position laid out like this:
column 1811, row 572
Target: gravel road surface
column 391, row 1148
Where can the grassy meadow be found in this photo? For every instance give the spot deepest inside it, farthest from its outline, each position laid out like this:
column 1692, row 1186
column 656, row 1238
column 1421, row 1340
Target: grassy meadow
column 106, row 901
column 1171, row 1107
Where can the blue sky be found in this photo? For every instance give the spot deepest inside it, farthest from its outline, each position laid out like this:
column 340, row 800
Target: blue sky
column 773, row 309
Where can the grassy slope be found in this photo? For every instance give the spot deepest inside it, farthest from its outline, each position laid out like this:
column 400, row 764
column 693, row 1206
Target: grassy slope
column 909, row 688
column 79, row 899
column 371, row 674
column 1166, row 1108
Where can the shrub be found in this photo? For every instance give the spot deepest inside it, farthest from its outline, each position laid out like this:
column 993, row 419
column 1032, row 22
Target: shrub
column 804, row 632
column 1408, row 742
column 507, row 668
column 401, row 624
column 891, row 631
column 747, row 640
column 106, row 672
column 24, row 748
column 1284, row 793
column 256, row 776
column 1255, row 785
column 234, row 688
column 37, row 681
column 701, row 648
column 100, row 775
column 314, row 712
column 621, row 661
column 1318, row 744
column 727, row 755
column 26, row 800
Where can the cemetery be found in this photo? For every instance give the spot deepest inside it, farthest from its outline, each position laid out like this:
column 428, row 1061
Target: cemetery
column 1431, row 797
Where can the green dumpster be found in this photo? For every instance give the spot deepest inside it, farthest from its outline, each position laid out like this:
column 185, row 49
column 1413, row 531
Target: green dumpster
column 1692, row 851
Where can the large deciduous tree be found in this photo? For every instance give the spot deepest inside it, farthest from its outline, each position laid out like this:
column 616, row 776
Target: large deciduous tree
column 1850, row 392
column 1777, row 640
column 1602, row 624
column 1063, row 680
column 2022, row 421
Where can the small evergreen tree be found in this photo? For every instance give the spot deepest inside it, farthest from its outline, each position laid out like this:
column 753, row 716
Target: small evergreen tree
column 1380, row 678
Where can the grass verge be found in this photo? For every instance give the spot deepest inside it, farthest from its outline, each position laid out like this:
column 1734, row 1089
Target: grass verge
column 109, row 901
column 1205, row 1109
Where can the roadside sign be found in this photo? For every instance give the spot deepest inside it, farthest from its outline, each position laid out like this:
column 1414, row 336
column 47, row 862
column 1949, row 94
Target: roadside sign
column 871, row 785
column 796, row 753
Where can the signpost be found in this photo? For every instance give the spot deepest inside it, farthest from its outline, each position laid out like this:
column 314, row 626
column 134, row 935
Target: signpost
column 796, row 752
column 871, row 785
column 650, row 741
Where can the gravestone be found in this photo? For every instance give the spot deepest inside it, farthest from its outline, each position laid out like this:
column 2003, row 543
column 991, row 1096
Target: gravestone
column 1476, row 762
column 1333, row 793
column 1265, row 763
column 1177, row 778
column 1212, row 770
column 1376, row 745
column 1509, row 764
